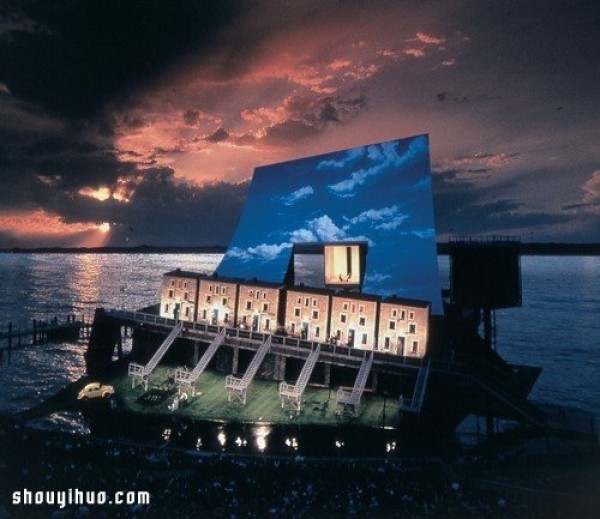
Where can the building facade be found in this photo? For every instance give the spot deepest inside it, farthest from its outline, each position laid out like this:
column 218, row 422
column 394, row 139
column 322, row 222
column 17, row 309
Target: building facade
column 307, row 313
column 394, row 325
column 217, row 301
column 179, row 295
column 403, row 327
column 354, row 320
column 260, row 306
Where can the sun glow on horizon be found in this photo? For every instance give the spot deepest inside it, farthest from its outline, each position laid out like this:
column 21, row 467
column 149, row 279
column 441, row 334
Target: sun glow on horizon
column 104, row 227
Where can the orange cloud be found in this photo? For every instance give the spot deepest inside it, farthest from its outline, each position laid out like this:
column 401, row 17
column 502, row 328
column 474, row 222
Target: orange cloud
column 38, row 226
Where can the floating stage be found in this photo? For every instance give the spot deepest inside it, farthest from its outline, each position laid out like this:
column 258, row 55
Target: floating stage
column 263, row 404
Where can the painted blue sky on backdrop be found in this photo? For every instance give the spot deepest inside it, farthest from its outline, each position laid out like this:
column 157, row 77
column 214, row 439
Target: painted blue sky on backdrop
column 380, row 193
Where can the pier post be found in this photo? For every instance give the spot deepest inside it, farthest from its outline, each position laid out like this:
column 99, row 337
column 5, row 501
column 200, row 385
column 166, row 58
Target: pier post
column 34, row 331
column 279, row 371
column 375, row 381
column 327, row 380
column 120, row 346
column 236, row 359
column 196, row 353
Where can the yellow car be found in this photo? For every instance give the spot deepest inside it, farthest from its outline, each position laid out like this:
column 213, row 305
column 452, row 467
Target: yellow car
column 95, row 390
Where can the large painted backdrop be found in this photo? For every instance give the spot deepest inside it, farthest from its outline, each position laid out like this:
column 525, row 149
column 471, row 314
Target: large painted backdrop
column 379, row 193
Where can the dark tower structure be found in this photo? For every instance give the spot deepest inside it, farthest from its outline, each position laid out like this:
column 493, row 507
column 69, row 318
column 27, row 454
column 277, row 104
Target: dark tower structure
column 485, row 275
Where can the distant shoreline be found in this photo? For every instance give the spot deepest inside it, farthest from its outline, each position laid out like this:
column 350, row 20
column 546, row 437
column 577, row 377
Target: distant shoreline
column 527, row 249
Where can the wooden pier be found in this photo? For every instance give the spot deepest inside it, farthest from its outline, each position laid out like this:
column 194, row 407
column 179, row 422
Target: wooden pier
column 38, row 332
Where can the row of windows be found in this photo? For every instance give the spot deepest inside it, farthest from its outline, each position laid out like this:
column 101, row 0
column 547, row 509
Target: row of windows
column 351, row 307
column 216, row 289
column 187, row 311
column 402, row 317
column 314, row 314
column 265, row 306
column 412, row 327
column 224, row 301
column 313, row 301
column 257, row 294
column 186, row 295
column 179, row 284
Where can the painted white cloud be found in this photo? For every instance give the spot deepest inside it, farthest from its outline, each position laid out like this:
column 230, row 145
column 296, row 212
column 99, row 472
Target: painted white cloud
column 264, row 251
column 385, row 155
column 424, row 233
column 392, row 224
column 324, row 228
column 351, row 155
column 299, row 194
column 376, row 277
column 372, row 216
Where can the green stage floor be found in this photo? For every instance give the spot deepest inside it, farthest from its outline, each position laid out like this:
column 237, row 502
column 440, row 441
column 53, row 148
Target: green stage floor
column 263, row 403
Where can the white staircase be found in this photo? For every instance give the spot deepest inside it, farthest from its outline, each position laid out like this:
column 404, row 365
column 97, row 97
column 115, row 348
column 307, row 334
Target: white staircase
column 239, row 386
column 414, row 406
column 187, row 379
column 350, row 400
column 292, row 393
column 139, row 373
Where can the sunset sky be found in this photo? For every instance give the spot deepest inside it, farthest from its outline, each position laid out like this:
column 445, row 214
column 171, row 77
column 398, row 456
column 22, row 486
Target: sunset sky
column 140, row 122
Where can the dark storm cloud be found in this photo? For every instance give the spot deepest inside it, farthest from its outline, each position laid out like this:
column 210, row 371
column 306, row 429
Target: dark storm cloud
column 462, row 207
column 219, row 135
column 89, row 53
column 164, row 211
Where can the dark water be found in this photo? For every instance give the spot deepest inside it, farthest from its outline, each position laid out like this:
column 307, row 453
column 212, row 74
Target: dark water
column 557, row 328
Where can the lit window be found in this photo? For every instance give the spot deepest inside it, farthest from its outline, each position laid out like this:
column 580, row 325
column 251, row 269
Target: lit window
column 362, row 321
column 412, row 328
column 248, row 305
column 315, row 314
column 296, row 312
column 392, row 325
column 343, row 318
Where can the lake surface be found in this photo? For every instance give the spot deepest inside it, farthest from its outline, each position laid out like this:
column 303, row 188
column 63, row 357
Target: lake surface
column 558, row 327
